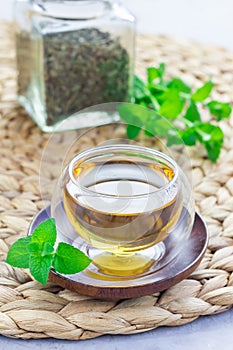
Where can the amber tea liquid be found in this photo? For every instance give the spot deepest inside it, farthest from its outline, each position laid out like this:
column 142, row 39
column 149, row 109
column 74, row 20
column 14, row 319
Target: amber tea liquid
column 119, row 209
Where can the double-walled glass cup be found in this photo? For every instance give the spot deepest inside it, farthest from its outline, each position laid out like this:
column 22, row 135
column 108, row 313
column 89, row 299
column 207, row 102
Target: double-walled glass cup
column 128, row 207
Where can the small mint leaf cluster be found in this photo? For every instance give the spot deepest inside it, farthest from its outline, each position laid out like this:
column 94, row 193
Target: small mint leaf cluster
column 175, row 112
column 37, row 253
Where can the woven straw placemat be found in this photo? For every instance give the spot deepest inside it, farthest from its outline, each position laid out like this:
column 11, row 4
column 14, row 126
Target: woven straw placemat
column 30, row 310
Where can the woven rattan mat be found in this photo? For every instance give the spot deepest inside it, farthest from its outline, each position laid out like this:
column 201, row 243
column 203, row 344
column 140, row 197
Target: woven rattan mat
column 30, row 310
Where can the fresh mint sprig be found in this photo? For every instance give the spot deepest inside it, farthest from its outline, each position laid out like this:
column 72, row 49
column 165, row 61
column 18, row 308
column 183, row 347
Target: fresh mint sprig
column 175, row 112
column 37, row 253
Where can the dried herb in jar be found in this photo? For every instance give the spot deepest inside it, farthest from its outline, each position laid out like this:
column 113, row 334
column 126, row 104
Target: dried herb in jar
column 83, row 68
column 78, row 69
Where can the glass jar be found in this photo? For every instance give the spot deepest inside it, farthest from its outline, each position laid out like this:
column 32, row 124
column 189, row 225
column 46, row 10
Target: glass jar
column 72, row 54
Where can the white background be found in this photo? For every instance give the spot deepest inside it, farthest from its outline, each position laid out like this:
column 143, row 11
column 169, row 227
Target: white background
column 208, row 21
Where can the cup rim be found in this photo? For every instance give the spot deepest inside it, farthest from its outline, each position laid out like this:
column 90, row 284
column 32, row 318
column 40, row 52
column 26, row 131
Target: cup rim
column 117, row 147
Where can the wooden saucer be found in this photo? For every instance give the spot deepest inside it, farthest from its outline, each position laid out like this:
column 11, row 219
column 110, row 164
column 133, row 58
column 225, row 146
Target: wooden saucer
column 178, row 269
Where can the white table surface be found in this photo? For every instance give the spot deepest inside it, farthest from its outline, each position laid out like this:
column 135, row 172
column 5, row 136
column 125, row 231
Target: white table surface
column 204, row 21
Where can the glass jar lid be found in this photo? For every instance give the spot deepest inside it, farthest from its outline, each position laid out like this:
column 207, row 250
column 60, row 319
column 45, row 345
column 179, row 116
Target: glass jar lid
column 72, row 9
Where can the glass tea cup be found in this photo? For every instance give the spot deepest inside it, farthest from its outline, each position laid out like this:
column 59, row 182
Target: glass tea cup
column 128, row 207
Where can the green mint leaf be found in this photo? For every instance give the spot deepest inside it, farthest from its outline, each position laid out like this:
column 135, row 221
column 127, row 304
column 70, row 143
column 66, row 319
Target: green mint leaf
column 69, row 260
column 18, row 255
column 158, row 126
column 211, row 137
column 132, row 131
column 213, row 150
column 40, row 267
column 179, row 85
column 203, row 92
column 47, row 249
column 38, row 254
column 148, row 133
column 220, row 110
column 208, row 132
column 34, row 248
column 157, row 89
column 154, row 103
column 131, row 114
column 168, row 99
column 154, row 73
column 134, row 114
column 40, row 249
column 45, row 232
column 162, row 69
column 140, row 90
column 172, row 106
column 189, row 136
column 192, row 113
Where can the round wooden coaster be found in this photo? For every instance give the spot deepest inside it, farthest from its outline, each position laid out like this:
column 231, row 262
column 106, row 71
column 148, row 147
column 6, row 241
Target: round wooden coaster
column 178, row 269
